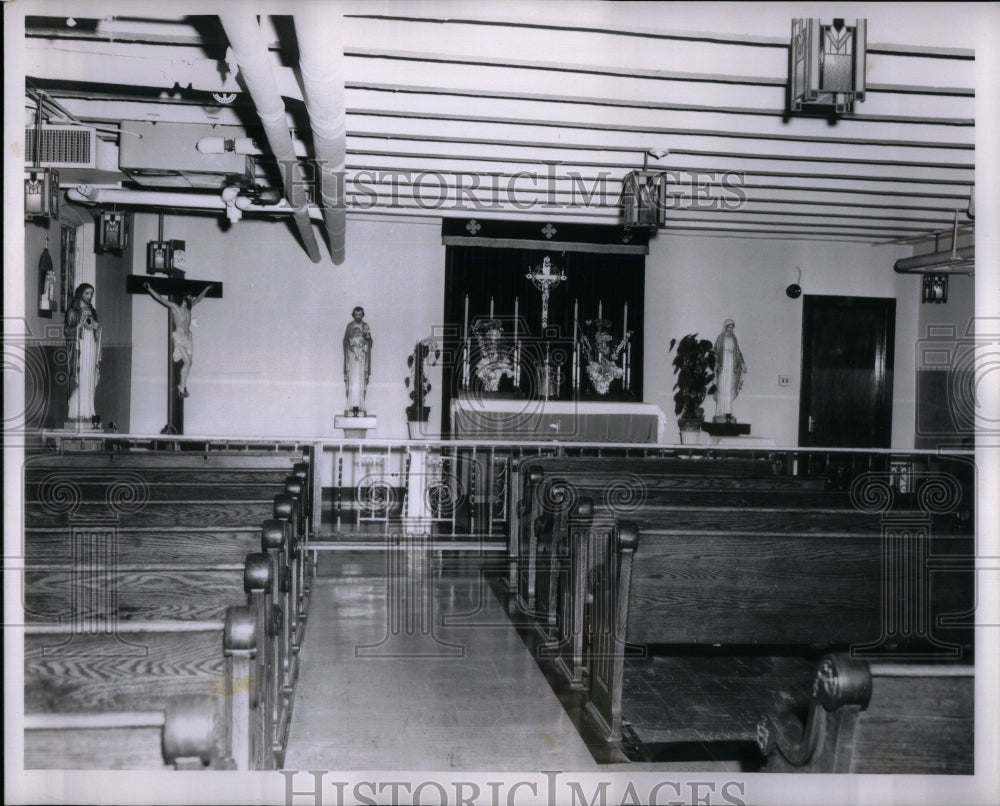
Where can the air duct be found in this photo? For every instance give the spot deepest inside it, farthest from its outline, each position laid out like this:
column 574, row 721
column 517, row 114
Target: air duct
column 87, row 194
column 321, row 58
column 956, row 261
column 252, row 56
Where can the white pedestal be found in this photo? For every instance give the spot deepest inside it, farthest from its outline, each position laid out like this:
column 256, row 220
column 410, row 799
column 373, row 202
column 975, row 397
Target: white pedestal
column 355, row 427
column 424, row 473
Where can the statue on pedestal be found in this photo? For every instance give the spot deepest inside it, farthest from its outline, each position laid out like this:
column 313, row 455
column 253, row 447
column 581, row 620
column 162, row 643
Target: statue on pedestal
column 83, row 330
column 729, row 370
column 357, row 361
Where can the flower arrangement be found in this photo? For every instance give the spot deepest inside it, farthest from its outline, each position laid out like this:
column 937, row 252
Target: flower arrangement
column 494, row 361
column 426, row 352
column 601, row 357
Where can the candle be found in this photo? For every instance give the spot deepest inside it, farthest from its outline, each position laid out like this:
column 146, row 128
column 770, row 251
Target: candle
column 575, row 375
column 625, row 320
column 465, row 337
column 491, row 307
column 517, row 351
column 600, row 309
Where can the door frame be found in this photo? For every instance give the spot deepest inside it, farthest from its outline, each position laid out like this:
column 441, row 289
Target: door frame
column 884, row 361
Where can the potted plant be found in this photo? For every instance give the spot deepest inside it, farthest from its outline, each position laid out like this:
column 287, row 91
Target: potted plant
column 694, row 366
column 425, row 353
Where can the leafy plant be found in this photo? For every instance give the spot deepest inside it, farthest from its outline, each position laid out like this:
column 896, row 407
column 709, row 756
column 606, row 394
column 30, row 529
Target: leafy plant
column 694, row 366
column 426, row 350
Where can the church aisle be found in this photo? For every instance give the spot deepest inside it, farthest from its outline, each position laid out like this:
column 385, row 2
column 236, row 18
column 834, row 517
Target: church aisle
column 410, row 663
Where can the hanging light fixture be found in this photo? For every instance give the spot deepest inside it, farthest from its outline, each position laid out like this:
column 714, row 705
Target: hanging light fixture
column 827, row 65
column 163, row 256
column 644, row 195
column 112, row 231
column 41, row 185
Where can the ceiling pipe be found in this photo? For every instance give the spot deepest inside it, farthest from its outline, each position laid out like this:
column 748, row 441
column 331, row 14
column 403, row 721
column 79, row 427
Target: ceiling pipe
column 955, row 261
column 88, row 194
column 321, row 59
column 252, row 56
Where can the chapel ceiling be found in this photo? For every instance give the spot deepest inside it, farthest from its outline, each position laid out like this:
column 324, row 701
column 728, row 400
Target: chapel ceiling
column 516, row 111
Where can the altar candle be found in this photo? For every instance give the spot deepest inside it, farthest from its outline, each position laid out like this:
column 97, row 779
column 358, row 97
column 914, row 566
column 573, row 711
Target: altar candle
column 625, row 320
column 465, row 337
column 600, row 309
column 491, row 307
column 517, row 350
column 576, row 379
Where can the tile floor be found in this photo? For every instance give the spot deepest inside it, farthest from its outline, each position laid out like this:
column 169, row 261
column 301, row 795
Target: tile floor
column 410, row 662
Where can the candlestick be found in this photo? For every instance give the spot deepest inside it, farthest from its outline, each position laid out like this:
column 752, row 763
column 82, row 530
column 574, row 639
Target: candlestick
column 465, row 337
column 517, row 351
column 576, row 351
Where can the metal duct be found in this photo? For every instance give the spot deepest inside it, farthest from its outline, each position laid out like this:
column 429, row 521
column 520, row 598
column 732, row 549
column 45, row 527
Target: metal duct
column 961, row 261
column 87, row 194
column 252, row 57
column 321, row 58
column 957, row 261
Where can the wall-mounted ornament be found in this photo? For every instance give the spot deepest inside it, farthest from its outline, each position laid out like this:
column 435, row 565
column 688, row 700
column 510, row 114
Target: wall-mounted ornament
column 935, row 288
column 827, row 65
column 46, row 283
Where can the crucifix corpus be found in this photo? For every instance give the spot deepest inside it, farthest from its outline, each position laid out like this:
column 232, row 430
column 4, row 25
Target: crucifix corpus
column 545, row 277
column 179, row 296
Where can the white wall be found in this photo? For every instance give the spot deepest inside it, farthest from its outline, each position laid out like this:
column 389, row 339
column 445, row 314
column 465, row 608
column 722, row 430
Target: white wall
column 694, row 283
column 268, row 356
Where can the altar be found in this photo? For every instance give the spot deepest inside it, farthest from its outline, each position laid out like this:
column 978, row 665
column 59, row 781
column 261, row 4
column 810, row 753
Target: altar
column 566, row 420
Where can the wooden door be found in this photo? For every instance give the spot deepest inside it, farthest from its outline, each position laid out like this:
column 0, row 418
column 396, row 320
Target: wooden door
column 847, row 362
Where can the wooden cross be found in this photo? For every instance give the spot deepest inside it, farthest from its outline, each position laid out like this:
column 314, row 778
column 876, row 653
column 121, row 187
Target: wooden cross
column 173, row 288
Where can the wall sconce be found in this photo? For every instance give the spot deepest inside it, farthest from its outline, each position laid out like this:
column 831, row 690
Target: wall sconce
column 644, row 196
column 794, row 291
column 41, row 193
column 935, row 288
column 112, row 231
column 827, row 65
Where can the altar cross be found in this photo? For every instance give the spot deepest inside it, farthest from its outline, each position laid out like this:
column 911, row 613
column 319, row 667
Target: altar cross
column 173, row 288
column 546, row 277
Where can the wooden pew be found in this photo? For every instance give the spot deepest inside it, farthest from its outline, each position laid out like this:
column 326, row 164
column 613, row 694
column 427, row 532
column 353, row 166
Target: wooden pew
column 655, row 483
column 550, row 486
column 169, row 588
column 784, row 591
column 187, row 734
column 577, row 542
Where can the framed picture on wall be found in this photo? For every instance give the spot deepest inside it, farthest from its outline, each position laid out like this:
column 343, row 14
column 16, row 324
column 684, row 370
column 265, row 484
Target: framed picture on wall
column 67, row 262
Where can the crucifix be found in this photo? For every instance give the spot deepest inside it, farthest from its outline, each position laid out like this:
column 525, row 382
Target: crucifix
column 545, row 277
column 179, row 296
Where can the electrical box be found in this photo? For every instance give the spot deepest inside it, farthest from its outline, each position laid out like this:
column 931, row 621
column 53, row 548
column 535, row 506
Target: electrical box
column 166, row 155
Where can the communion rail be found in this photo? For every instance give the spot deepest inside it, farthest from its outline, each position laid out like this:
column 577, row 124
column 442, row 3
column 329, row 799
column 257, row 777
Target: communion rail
column 467, row 488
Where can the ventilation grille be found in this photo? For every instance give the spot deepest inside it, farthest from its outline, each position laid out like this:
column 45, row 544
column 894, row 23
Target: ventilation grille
column 60, row 147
